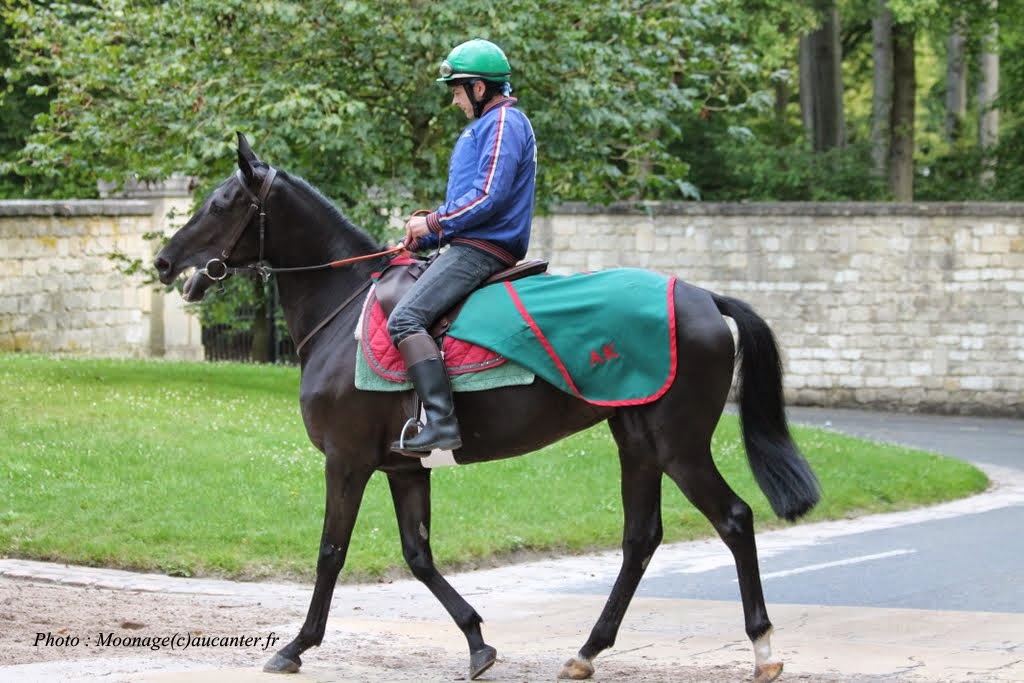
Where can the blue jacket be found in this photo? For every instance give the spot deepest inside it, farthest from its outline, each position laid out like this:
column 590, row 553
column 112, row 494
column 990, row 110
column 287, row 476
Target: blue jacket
column 491, row 178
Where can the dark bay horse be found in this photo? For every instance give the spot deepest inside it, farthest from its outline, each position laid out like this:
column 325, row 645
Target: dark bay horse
column 264, row 220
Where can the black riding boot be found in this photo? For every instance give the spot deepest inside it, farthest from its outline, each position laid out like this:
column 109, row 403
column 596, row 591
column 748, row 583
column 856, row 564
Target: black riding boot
column 426, row 369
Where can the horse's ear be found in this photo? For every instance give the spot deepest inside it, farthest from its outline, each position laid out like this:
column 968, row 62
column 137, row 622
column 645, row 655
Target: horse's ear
column 246, row 157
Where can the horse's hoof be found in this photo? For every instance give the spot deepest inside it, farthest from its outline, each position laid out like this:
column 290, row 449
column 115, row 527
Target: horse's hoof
column 577, row 669
column 481, row 660
column 282, row 665
column 766, row 673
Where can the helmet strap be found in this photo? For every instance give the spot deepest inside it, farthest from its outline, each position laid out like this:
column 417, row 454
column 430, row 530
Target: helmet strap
column 478, row 106
column 491, row 90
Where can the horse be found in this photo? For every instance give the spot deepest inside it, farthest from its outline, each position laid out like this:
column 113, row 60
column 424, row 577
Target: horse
column 265, row 221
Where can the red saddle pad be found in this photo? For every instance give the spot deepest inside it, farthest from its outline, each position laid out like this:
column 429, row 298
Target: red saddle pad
column 460, row 357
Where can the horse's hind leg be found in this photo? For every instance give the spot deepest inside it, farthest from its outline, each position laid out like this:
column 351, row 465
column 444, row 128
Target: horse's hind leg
column 641, row 502
column 680, row 426
column 411, row 494
column 345, row 489
column 693, row 469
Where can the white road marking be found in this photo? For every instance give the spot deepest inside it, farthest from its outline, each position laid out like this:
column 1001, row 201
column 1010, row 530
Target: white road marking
column 837, row 563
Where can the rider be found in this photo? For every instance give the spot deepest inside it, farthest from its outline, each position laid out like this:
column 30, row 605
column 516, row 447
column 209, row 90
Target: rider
column 485, row 219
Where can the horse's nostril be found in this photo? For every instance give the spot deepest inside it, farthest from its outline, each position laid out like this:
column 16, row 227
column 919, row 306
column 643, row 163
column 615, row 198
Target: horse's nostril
column 164, row 268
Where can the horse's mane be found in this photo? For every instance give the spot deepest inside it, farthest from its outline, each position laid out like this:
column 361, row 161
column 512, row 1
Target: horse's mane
column 333, row 212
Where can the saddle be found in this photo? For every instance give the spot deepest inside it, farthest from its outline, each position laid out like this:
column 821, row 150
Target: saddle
column 402, row 273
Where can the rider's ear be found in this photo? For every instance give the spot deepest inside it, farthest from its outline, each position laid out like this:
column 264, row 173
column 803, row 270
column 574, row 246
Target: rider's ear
column 246, row 157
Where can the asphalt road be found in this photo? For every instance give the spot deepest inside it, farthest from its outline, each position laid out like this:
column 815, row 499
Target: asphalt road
column 972, row 560
column 980, row 440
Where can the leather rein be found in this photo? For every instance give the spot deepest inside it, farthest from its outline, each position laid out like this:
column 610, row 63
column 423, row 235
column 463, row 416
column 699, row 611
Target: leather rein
column 220, row 268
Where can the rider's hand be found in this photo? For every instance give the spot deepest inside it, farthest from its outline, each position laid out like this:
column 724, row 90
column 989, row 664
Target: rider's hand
column 415, row 228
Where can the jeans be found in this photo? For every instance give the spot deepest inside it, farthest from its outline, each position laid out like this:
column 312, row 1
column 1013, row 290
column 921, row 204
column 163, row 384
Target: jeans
column 448, row 280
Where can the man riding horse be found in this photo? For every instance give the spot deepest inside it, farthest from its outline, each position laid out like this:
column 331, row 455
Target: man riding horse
column 485, row 220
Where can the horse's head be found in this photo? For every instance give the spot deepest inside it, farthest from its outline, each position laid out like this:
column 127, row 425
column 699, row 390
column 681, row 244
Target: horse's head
column 216, row 241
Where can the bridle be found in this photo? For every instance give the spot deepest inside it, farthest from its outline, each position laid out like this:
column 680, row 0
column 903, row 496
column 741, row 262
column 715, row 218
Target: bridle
column 257, row 203
column 219, row 266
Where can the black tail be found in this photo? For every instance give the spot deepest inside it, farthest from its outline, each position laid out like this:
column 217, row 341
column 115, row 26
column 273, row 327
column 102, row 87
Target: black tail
column 779, row 468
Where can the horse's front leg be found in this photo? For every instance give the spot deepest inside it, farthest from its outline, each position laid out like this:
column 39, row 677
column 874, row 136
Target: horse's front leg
column 345, row 488
column 642, row 533
column 411, row 494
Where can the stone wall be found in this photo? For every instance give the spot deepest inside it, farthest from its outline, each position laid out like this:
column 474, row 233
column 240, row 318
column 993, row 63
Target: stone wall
column 61, row 292
column 918, row 307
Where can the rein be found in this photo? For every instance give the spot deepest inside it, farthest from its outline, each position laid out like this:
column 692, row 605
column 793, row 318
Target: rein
column 266, row 271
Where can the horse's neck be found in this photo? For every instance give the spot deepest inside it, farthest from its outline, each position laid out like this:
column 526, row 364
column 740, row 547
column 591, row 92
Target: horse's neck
column 312, row 238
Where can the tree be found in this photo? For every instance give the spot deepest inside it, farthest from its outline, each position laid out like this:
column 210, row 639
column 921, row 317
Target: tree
column 344, row 93
column 956, row 79
column 1009, row 152
column 821, row 81
column 988, row 92
column 882, row 88
column 901, row 126
column 626, row 95
column 20, row 102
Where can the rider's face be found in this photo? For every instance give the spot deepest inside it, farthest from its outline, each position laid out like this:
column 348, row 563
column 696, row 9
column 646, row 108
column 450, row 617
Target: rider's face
column 461, row 100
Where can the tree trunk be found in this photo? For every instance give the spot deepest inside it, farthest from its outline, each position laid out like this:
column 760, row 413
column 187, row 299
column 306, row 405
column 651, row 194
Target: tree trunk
column 901, row 158
column 821, row 81
column 881, row 101
column 988, row 90
column 956, row 81
column 259, row 351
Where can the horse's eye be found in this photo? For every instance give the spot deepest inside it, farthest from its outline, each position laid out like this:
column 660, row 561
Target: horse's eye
column 216, row 209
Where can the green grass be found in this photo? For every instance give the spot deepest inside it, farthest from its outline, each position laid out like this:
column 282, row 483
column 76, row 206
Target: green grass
column 205, row 469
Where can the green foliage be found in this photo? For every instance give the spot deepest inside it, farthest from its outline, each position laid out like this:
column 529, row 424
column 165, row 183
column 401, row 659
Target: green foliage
column 736, row 164
column 344, row 92
column 204, row 468
column 233, row 294
column 952, row 173
column 20, row 103
column 761, row 155
column 798, row 173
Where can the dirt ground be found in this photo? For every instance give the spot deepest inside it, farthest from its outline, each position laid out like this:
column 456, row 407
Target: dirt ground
column 29, row 608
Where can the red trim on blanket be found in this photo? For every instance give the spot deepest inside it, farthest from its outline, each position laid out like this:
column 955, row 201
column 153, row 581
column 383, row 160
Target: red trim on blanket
column 673, row 352
column 541, row 338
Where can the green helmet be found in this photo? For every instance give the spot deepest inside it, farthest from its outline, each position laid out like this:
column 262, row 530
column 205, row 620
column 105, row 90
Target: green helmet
column 476, row 59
